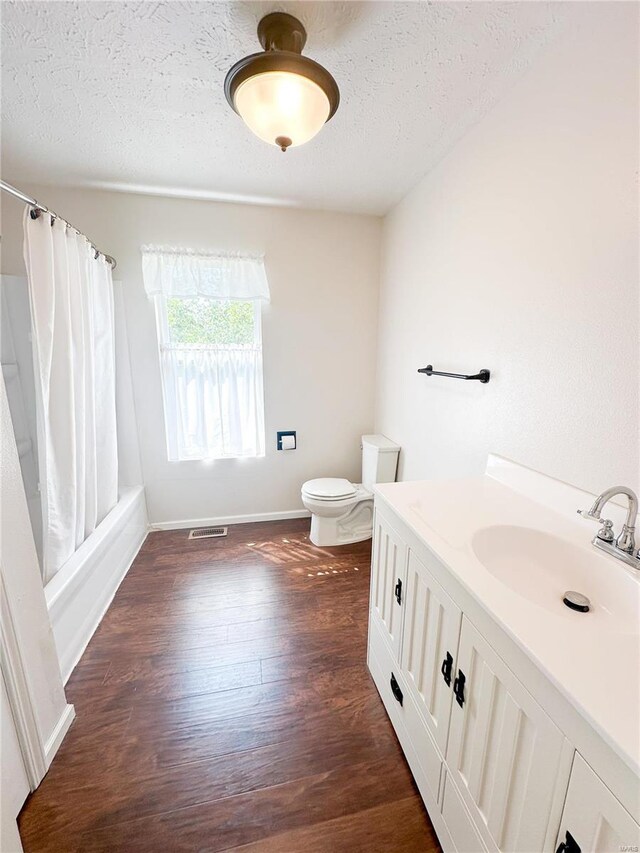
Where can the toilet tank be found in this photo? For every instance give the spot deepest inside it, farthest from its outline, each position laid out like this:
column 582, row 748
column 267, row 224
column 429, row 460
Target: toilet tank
column 379, row 460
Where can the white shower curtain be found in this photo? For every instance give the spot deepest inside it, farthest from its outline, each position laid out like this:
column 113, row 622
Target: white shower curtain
column 71, row 295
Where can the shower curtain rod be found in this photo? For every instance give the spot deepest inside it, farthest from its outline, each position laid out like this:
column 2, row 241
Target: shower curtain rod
column 37, row 209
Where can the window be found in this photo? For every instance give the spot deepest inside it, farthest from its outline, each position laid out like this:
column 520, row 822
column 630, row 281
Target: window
column 208, row 312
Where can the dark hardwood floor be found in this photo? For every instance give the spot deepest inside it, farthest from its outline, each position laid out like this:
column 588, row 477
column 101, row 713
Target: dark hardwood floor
column 225, row 704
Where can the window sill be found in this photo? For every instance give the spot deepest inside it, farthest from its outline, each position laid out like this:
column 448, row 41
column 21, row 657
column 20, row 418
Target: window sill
column 210, row 459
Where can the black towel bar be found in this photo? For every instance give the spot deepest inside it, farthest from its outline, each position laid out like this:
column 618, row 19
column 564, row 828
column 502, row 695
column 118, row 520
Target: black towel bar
column 483, row 376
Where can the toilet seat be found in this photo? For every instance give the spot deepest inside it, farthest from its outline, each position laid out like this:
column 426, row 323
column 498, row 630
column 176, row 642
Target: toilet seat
column 329, row 489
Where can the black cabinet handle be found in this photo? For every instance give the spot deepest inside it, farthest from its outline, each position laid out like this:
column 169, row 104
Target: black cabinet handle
column 445, row 669
column 395, row 689
column 458, row 688
column 398, row 592
column 569, row 845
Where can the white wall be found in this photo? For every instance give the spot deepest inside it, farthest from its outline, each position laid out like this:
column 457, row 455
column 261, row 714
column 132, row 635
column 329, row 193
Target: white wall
column 519, row 253
column 318, row 335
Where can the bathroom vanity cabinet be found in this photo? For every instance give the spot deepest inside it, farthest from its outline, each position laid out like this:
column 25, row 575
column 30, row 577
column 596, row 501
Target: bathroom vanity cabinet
column 502, row 760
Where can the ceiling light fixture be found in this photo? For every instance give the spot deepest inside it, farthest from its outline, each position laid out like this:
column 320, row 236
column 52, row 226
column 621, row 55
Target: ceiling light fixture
column 283, row 97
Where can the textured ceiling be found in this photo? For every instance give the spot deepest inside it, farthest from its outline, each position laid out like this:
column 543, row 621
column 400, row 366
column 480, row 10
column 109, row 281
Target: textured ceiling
column 129, row 95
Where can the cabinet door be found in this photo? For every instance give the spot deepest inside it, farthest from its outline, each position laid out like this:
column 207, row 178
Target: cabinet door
column 429, row 647
column 503, row 752
column 593, row 821
column 388, row 573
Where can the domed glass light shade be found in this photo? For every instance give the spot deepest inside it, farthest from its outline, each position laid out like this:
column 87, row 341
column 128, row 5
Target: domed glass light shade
column 279, row 105
column 283, row 97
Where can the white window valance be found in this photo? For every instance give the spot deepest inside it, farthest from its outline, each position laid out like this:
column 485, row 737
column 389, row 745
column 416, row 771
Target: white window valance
column 213, row 275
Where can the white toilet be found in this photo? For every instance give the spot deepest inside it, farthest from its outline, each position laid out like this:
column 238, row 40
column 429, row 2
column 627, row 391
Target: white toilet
column 342, row 512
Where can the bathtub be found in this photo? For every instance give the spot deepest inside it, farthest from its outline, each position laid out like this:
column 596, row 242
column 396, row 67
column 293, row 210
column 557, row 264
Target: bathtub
column 81, row 591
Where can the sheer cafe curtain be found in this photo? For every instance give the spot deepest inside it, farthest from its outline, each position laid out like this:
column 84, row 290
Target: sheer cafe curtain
column 72, row 316
column 213, row 393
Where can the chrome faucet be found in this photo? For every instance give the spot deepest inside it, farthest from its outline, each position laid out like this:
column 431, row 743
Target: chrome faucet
column 624, row 547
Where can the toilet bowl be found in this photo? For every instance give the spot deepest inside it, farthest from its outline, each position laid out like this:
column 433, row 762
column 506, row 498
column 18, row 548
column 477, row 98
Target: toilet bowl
column 341, row 511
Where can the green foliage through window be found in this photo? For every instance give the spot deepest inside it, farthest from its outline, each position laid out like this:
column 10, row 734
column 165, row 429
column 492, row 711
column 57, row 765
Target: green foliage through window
column 208, row 321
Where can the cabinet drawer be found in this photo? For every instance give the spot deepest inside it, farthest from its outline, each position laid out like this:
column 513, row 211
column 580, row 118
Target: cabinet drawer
column 419, row 747
column 458, row 820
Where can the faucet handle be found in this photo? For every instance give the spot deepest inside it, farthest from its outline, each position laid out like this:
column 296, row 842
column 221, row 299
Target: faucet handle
column 590, row 515
column 606, row 531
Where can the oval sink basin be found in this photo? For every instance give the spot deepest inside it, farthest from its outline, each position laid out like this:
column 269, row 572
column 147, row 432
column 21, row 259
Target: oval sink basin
column 541, row 567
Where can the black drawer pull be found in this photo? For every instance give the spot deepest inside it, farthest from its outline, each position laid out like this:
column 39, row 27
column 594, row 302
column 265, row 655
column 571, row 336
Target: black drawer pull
column 458, row 688
column 395, row 689
column 446, row 668
column 398, row 592
column 569, row 845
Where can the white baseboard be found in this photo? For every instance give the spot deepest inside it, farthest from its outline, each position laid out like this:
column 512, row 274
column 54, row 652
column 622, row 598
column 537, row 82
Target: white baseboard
column 57, row 735
column 229, row 519
column 80, row 594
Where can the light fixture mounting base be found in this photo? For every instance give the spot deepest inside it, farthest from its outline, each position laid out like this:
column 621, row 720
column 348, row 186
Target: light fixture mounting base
column 279, row 31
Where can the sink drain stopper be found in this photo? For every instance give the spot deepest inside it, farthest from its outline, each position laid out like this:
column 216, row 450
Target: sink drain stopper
column 576, row 601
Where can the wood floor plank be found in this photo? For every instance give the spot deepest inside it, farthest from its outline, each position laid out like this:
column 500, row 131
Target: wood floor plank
column 174, row 660
column 224, row 703
column 335, row 688
column 172, row 680
column 139, row 794
column 292, row 666
column 395, row 827
column 187, row 744
column 254, row 815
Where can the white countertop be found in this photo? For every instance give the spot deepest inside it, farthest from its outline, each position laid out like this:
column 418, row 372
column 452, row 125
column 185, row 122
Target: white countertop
column 592, row 658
